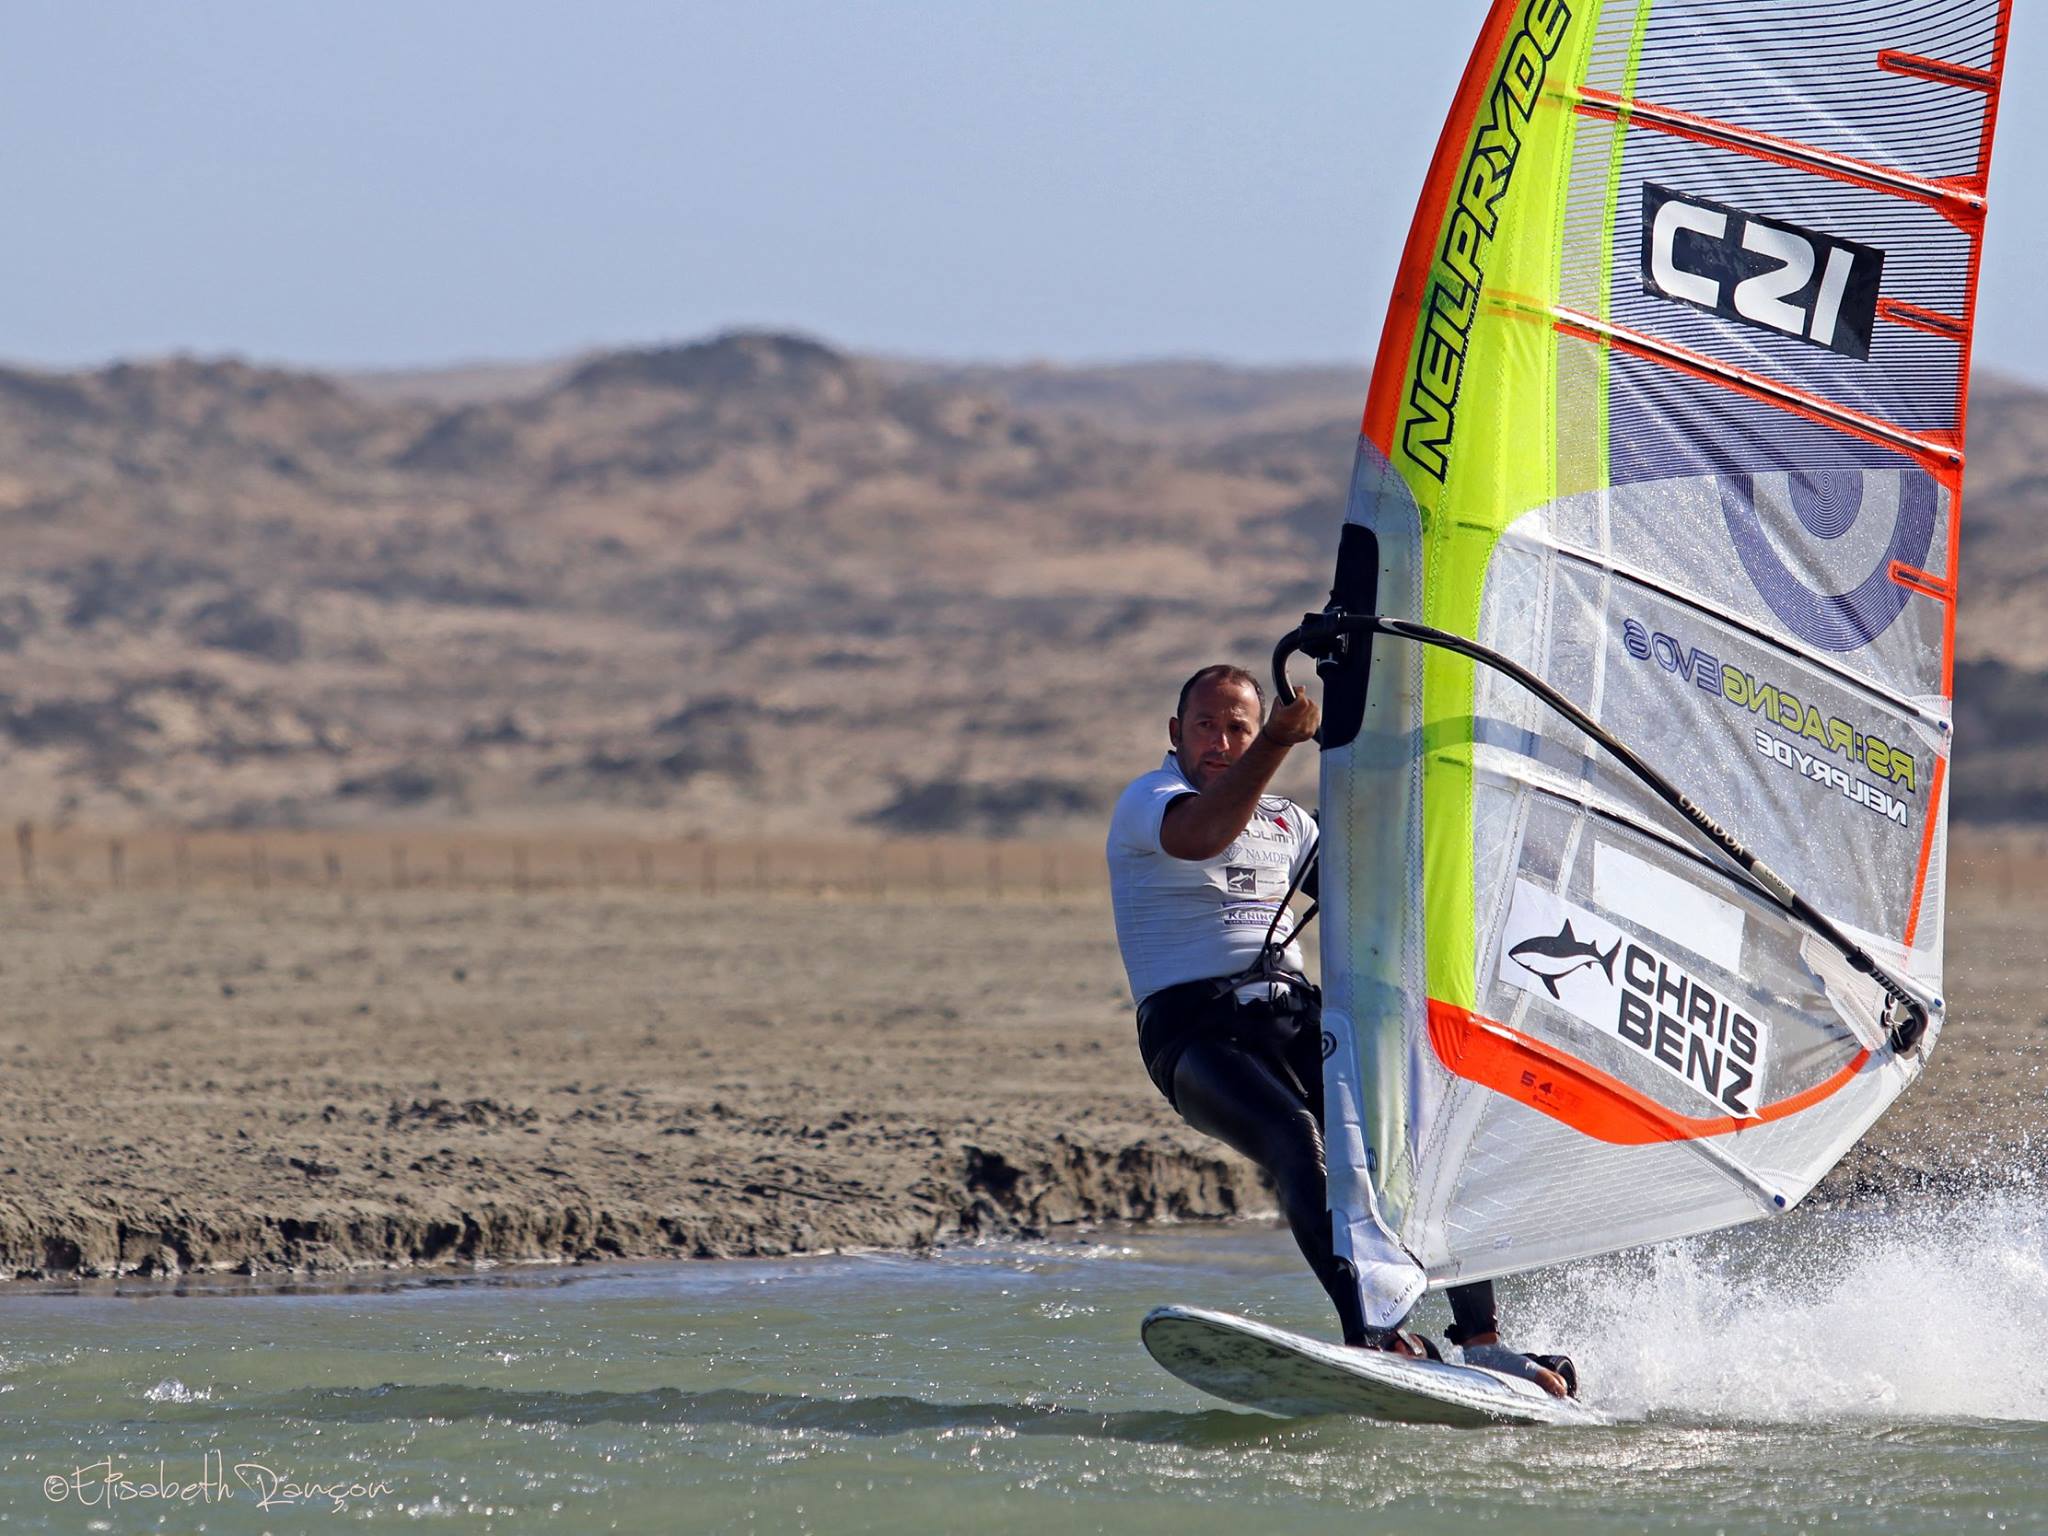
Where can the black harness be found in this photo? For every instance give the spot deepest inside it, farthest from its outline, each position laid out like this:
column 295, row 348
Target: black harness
column 1172, row 1018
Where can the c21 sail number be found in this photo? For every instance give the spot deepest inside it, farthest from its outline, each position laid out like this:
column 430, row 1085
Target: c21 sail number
column 1761, row 272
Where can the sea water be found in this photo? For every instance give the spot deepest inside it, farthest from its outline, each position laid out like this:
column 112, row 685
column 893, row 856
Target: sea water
column 1851, row 1372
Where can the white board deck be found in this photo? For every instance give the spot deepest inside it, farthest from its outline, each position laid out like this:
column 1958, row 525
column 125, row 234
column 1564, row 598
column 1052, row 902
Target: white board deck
column 1291, row 1374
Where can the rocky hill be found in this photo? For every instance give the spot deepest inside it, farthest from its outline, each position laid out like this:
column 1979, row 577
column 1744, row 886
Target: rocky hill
column 749, row 582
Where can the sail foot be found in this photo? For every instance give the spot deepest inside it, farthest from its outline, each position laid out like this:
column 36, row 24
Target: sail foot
column 1389, row 1280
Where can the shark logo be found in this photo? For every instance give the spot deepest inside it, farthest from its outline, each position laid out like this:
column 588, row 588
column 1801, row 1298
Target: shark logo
column 1555, row 956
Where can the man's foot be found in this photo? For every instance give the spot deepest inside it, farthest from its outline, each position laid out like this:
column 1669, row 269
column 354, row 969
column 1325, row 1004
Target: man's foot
column 1553, row 1373
column 1399, row 1341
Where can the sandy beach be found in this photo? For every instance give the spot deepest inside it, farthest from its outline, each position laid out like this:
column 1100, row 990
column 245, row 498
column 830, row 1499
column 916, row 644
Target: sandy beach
column 262, row 1082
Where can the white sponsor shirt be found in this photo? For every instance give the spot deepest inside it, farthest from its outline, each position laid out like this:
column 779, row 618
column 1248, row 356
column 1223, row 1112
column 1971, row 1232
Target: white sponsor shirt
column 1186, row 919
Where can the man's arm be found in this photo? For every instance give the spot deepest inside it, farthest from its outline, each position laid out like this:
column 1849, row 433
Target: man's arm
column 1202, row 825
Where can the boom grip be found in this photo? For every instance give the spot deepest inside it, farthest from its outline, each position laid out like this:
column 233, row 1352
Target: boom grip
column 1283, row 691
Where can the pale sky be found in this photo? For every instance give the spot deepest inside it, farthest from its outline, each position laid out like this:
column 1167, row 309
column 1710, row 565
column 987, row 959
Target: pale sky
column 382, row 185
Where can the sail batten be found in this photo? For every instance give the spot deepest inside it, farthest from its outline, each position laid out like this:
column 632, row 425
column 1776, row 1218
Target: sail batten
column 1943, row 450
column 1964, row 196
column 1668, row 416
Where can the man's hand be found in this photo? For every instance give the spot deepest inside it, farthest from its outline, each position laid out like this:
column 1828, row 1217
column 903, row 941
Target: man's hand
column 1294, row 722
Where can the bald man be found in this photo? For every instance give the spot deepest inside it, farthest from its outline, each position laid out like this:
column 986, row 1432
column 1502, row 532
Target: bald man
column 1201, row 859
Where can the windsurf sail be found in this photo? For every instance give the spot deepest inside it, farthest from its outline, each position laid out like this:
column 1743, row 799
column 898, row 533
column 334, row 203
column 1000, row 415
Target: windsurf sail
column 1638, row 664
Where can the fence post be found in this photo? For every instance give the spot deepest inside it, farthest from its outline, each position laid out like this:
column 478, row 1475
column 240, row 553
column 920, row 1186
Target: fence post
column 117, row 857
column 259, row 866
column 646, row 860
column 519, row 869
column 455, row 866
column 25, row 851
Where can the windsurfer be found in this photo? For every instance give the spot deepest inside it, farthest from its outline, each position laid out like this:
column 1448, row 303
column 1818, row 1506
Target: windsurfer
column 1201, row 860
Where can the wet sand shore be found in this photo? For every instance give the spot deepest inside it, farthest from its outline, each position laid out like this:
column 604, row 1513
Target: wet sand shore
column 316, row 1081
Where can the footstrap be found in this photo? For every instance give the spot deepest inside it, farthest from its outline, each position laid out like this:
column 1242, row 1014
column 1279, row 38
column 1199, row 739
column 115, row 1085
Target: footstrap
column 1562, row 1364
column 1512, row 1362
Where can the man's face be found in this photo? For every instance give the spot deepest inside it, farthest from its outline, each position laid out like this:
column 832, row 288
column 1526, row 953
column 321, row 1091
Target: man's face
column 1220, row 721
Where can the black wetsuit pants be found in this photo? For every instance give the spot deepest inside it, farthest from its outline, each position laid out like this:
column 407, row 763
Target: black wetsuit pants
column 1251, row 1075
